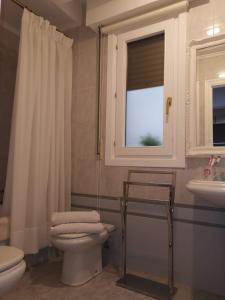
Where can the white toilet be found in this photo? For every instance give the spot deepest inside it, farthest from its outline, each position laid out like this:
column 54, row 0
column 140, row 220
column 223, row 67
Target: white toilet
column 12, row 267
column 82, row 255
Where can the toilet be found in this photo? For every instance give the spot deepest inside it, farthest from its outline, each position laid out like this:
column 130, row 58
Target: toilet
column 82, row 255
column 12, row 267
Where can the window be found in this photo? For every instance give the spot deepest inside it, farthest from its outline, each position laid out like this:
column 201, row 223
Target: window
column 145, row 96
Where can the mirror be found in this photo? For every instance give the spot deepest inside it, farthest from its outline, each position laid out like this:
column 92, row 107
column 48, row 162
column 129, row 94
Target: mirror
column 207, row 98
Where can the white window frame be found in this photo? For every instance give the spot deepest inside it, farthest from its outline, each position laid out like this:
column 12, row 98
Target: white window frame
column 166, row 149
column 172, row 152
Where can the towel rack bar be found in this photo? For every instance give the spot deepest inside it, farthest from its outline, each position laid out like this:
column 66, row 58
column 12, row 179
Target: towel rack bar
column 150, row 172
column 167, row 185
column 150, row 201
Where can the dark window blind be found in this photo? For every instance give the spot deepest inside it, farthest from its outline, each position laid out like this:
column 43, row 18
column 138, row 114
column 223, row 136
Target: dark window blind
column 145, row 63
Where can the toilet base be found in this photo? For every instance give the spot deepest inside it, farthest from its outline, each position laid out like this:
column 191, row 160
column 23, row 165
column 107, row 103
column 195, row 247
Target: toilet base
column 80, row 267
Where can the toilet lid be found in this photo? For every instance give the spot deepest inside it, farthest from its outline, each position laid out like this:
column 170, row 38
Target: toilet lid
column 9, row 256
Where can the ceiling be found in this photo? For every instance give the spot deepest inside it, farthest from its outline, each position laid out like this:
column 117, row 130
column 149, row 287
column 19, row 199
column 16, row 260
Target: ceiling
column 64, row 14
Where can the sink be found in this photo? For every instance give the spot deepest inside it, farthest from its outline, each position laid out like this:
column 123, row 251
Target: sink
column 212, row 191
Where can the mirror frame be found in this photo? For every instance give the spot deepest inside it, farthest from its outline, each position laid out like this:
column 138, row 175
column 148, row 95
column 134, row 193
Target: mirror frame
column 192, row 99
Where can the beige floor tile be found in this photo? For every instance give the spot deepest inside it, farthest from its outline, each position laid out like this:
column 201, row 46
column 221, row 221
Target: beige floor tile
column 43, row 283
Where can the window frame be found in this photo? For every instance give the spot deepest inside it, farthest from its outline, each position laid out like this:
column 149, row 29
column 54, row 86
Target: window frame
column 172, row 153
column 120, row 149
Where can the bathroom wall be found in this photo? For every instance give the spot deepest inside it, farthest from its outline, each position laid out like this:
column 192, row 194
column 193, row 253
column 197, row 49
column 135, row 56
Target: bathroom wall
column 199, row 230
column 9, row 43
column 88, row 174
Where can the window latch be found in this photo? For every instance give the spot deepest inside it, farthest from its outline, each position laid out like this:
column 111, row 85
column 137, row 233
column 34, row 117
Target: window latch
column 168, row 105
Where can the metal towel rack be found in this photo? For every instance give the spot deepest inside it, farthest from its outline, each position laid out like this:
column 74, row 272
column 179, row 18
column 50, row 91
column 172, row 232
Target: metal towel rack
column 133, row 282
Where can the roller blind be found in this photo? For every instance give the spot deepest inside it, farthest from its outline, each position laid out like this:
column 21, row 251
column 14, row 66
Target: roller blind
column 145, row 63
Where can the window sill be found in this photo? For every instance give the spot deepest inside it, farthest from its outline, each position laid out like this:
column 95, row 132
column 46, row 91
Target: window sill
column 159, row 162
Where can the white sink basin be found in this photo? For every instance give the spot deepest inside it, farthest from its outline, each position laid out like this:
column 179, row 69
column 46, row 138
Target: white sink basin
column 212, row 191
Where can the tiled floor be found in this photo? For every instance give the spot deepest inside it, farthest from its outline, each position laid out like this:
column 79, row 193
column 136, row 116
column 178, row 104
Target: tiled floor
column 42, row 283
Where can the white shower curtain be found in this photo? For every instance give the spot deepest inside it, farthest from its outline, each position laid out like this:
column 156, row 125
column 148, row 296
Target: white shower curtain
column 38, row 176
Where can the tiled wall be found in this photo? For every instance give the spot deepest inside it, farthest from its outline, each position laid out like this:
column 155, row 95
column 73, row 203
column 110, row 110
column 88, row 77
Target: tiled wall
column 8, row 63
column 198, row 249
column 88, row 175
column 203, row 15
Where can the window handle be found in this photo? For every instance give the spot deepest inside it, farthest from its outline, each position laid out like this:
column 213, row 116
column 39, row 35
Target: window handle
column 168, row 105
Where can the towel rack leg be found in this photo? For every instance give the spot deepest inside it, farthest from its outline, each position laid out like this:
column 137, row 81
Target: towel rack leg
column 170, row 209
column 124, row 229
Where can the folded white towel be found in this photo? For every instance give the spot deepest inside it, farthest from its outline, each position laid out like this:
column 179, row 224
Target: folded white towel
column 75, row 217
column 77, row 228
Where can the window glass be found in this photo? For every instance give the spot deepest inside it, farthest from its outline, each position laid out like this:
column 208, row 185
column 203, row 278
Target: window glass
column 145, row 86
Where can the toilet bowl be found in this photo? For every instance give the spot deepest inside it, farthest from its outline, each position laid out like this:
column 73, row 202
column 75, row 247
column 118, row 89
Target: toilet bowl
column 82, row 255
column 12, row 267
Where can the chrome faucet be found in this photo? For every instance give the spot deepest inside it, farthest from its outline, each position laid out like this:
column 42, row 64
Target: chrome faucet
column 213, row 161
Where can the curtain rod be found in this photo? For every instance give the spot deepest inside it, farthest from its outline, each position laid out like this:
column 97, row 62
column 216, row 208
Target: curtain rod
column 21, row 5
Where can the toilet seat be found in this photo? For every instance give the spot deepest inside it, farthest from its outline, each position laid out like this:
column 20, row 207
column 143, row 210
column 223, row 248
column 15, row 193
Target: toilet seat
column 9, row 257
column 108, row 227
column 81, row 240
column 73, row 235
